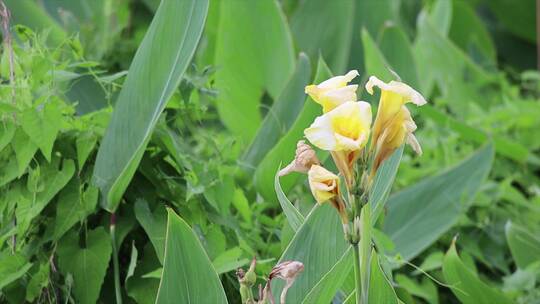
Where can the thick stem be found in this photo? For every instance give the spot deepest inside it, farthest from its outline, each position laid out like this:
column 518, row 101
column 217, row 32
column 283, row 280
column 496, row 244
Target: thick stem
column 357, row 273
column 116, row 268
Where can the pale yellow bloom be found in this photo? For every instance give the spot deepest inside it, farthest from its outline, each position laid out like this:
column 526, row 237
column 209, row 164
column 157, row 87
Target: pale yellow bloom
column 393, row 125
column 323, row 183
column 345, row 128
column 334, row 91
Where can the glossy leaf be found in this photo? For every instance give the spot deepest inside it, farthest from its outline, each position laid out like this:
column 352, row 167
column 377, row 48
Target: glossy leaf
column 243, row 79
column 420, row 214
column 188, row 275
column 280, row 116
column 468, row 288
column 155, row 72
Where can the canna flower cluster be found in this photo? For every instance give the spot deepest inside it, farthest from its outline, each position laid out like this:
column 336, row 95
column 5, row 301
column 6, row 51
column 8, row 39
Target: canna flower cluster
column 357, row 144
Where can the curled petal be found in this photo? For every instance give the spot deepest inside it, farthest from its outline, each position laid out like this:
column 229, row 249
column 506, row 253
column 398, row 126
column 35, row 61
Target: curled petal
column 323, row 183
column 334, row 91
column 408, row 93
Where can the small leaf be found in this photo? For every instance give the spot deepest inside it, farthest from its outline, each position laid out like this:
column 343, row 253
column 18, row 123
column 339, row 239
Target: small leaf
column 524, row 245
column 42, row 126
column 154, row 224
column 294, row 217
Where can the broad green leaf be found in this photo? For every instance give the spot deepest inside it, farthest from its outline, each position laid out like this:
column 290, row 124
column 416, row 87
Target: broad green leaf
column 73, row 206
column 30, row 14
column 372, row 16
column 467, row 287
column 284, row 150
column 7, row 130
column 420, row 214
column 382, row 184
column 42, row 126
column 53, row 177
column 324, row 28
column 88, row 264
column 280, row 116
column 397, row 50
column 24, row 150
column 380, row 288
column 254, row 50
column 188, row 275
column 12, row 267
column 374, row 61
column 470, row 34
column 426, row 290
column 294, row 217
column 38, row 281
column 85, row 144
column 318, row 244
column 156, row 70
column 154, row 224
column 517, row 16
column 441, row 16
column 524, row 245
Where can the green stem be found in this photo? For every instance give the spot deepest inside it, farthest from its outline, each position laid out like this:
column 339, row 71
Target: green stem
column 357, row 273
column 116, row 267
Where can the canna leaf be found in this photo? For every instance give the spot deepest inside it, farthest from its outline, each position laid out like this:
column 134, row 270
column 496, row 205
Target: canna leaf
column 156, row 70
column 188, row 275
column 294, row 217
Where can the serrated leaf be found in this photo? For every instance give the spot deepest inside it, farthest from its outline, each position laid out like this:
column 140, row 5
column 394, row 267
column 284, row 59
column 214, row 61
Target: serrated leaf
column 154, row 74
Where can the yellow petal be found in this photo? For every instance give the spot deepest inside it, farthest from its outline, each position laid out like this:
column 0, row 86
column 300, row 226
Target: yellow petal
column 406, row 92
column 334, row 91
column 323, row 183
column 345, row 128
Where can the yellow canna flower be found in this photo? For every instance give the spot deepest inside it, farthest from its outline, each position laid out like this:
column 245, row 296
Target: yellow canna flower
column 393, row 125
column 323, row 183
column 345, row 128
column 325, row 187
column 334, row 91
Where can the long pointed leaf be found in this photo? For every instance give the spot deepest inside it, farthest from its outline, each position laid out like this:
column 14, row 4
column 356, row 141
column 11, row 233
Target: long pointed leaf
column 157, row 68
column 188, row 275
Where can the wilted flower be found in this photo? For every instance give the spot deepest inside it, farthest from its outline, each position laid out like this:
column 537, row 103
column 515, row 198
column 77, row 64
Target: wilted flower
column 334, row 91
column 304, row 159
column 287, row 271
column 393, row 125
column 345, row 128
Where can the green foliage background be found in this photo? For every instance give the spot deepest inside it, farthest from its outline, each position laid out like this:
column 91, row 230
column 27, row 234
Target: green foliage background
column 210, row 95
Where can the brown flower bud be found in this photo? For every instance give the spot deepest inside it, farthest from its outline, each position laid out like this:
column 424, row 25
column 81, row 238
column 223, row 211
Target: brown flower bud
column 304, row 159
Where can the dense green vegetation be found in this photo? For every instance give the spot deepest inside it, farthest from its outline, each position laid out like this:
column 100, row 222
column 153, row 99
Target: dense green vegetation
column 138, row 138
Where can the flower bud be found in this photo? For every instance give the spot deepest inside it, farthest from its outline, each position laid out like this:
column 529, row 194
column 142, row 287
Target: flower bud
column 304, row 159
